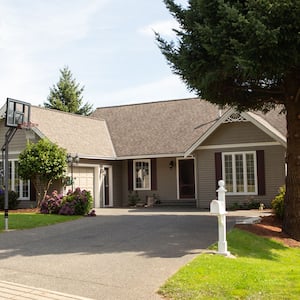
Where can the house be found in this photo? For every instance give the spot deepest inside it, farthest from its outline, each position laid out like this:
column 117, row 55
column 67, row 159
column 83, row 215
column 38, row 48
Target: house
column 177, row 150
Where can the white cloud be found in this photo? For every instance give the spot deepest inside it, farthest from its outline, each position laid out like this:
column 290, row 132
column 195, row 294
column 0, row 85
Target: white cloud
column 164, row 28
column 46, row 25
column 33, row 36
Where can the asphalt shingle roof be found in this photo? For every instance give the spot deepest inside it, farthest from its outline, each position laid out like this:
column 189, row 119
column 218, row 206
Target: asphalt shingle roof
column 149, row 129
column 77, row 134
column 157, row 128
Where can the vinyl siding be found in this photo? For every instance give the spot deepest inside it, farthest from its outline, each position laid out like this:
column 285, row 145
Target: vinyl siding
column 18, row 142
column 166, row 182
column 274, row 173
column 166, row 179
column 237, row 133
column 117, row 169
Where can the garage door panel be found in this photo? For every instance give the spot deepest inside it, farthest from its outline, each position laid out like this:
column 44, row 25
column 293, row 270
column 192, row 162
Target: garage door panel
column 84, row 178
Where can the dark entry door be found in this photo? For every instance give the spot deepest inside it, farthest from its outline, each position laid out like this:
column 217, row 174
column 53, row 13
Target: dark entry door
column 106, row 187
column 186, row 179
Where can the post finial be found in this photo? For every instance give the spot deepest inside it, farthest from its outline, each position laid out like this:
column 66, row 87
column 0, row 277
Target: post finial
column 221, row 183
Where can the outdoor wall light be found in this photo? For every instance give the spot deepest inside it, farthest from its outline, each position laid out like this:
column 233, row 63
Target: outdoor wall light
column 171, row 164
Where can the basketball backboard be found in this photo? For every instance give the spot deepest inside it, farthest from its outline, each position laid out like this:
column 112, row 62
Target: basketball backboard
column 17, row 113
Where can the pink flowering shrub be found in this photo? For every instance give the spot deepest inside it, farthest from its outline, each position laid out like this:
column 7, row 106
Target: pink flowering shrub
column 51, row 204
column 78, row 202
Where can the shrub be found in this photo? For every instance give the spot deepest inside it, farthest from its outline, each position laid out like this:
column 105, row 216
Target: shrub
column 252, row 204
column 51, row 204
column 78, row 202
column 133, row 198
column 12, row 199
column 278, row 203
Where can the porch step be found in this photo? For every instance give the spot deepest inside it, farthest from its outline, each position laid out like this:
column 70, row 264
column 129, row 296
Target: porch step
column 186, row 203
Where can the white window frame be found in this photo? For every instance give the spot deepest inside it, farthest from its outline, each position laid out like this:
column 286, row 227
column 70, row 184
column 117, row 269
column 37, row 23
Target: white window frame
column 135, row 188
column 12, row 180
column 245, row 190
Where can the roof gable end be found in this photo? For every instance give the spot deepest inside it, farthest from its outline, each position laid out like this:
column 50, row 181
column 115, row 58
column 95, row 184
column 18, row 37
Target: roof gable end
column 232, row 115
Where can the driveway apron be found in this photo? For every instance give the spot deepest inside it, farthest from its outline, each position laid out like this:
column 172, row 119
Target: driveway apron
column 119, row 254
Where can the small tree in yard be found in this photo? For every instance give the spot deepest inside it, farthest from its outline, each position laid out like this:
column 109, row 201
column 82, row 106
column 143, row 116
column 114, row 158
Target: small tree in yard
column 245, row 54
column 42, row 163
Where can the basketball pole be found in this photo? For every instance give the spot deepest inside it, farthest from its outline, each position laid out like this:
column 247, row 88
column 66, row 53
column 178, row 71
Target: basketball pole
column 8, row 137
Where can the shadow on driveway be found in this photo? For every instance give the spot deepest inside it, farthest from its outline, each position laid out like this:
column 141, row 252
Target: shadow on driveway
column 120, row 254
column 156, row 235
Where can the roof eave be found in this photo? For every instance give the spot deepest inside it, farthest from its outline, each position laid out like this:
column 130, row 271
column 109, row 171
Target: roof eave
column 266, row 127
column 146, row 156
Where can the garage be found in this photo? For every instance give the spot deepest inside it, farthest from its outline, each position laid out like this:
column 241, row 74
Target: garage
column 84, row 178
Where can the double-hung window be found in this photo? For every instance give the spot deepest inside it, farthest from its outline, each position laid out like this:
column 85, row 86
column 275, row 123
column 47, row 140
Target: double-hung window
column 15, row 183
column 239, row 172
column 142, row 174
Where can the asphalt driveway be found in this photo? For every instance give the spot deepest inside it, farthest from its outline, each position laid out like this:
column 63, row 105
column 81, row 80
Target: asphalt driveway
column 120, row 254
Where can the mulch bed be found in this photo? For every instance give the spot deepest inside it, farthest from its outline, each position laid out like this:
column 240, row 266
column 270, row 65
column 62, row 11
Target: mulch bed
column 24, row 210
column 270, row 227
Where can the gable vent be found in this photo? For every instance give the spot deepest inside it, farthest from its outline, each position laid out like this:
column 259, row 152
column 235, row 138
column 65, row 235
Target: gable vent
column 235, row 117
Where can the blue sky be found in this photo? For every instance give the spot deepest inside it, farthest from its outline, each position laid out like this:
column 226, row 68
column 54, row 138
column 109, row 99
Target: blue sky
column 108, row 45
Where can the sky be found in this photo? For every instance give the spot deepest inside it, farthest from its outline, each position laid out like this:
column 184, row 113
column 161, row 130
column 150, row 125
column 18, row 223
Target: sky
column 108, row 45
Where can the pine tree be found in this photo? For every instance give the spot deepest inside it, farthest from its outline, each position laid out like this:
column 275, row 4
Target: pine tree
column 66, row 95
column 244, row 54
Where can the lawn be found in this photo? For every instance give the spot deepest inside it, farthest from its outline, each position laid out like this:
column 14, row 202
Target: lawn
column 31, row 220
column 262, row 269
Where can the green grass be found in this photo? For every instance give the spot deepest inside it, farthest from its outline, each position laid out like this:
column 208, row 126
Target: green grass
column 30, row 220
column 262, row 269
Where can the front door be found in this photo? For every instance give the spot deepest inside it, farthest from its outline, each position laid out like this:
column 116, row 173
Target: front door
column 107, row 187
column 186, row 178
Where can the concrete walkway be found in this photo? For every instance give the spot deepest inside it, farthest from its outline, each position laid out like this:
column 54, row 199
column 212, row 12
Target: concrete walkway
column 14, row 291
column 120, row 254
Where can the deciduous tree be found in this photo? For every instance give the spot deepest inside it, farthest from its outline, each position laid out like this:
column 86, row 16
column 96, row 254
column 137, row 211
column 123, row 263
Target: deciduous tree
column 42, row 163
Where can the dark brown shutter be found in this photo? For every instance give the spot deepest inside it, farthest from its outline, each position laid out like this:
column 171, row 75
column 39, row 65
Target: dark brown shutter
column 130, row 175
column 218, row 167
column 153, row 174
column 32, row 192
column 260, row 164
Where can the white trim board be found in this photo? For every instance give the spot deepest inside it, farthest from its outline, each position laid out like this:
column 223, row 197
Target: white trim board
column 244, row 145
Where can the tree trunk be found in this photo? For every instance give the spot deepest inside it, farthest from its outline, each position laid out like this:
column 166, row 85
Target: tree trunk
column 41, row 189
column 291, row 221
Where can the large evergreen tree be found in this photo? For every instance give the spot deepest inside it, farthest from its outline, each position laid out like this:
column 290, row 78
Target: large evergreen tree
column 66, row 95
column 245, row 54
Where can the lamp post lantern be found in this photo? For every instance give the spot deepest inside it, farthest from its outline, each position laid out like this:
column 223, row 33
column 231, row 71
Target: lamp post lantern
column 71, row 160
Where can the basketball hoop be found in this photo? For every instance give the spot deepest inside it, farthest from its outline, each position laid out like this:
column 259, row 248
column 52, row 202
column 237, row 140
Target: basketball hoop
column 17, row 112
column 17, row 117
column 28, row 126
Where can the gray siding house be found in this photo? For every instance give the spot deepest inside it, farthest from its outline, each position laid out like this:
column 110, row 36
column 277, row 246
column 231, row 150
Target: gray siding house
column 176, row 150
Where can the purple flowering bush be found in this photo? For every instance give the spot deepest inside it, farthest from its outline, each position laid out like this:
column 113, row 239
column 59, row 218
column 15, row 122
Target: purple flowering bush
column 78, row 202
column 51, row 204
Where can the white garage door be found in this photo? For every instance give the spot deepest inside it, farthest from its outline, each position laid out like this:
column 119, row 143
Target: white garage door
column 84, row 178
